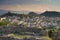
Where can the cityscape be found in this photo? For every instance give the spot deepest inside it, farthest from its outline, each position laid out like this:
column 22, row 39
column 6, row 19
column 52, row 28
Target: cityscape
column 29, row 19
column 31, row 25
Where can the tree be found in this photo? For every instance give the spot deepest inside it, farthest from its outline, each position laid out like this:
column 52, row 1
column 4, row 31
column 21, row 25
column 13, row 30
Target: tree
column 51, row 32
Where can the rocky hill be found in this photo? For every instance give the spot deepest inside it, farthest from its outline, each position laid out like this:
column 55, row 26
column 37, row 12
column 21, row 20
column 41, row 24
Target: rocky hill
column 51, row 14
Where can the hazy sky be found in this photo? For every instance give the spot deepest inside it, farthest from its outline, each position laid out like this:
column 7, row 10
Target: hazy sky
column 30, row 5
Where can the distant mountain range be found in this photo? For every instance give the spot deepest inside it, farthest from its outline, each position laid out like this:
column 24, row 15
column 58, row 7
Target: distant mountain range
column 18, row 12
column 46, row 13
column 51, row 14
column 20, row 15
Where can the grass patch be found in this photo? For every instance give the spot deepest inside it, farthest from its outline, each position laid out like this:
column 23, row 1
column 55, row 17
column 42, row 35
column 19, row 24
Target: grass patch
column 18, row 36
column 46, row 37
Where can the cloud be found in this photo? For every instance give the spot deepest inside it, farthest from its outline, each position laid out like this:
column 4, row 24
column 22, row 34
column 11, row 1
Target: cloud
column 30, row 5
column 35, row 8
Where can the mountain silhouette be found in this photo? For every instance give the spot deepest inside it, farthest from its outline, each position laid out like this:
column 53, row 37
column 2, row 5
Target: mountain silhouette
column 12, row 14
column 51, row 14
column 31, row 14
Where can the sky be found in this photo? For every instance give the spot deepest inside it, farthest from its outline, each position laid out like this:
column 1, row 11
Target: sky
column 30, row 5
